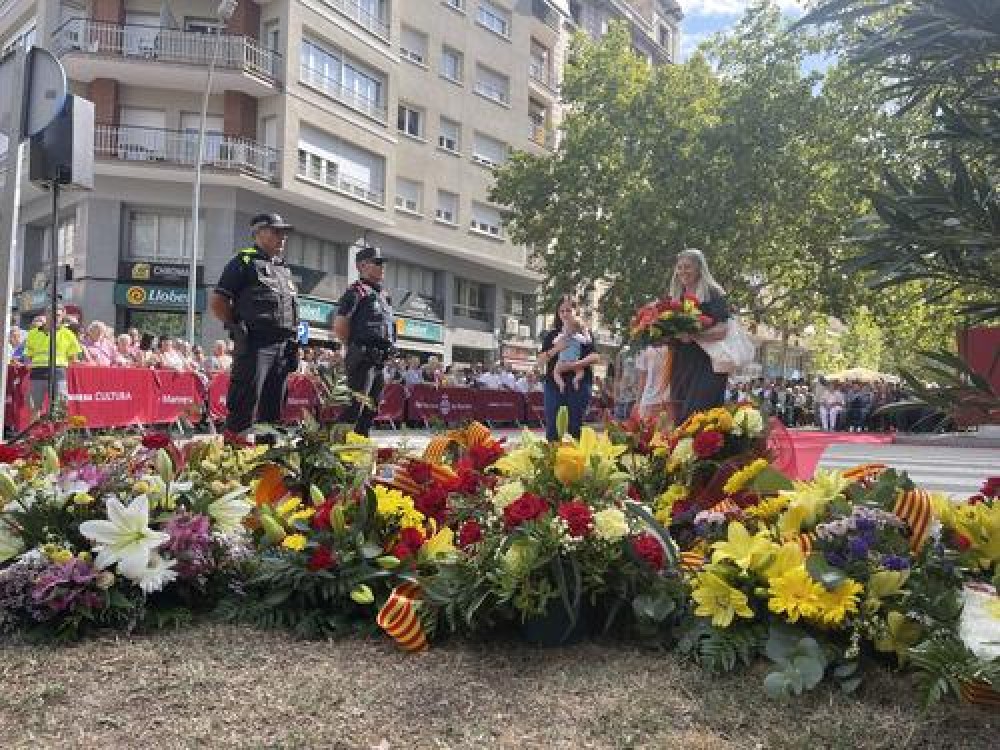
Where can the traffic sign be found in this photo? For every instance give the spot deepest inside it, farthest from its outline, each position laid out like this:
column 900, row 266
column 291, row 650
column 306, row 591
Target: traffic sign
column 42, row 78
column 303, row 334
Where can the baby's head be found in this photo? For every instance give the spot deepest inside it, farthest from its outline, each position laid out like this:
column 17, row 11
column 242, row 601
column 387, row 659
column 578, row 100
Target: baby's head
column 572, row 326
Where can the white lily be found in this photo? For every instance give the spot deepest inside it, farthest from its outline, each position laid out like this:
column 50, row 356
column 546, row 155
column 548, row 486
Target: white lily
column 125, row 538
column 229, row 510
column 154, row 575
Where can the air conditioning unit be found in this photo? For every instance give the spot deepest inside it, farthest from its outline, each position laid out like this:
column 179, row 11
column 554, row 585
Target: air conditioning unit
column 511, row 325
column 524, row 332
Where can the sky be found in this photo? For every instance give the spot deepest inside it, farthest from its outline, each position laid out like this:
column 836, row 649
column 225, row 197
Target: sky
column 702, row 18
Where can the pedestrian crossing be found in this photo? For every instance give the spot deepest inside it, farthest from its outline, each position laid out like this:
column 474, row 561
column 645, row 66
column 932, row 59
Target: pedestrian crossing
column 957, row 471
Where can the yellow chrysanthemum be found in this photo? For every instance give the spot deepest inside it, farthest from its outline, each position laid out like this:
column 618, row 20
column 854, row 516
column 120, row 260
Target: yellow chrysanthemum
column 718, row 600
column 748, row 552
column 767, row 509
column 832, row 607
column 353, row 438
column 794, row 594
column 740, row 479
column 294, row 542
column 288, row 507
column 664, row 506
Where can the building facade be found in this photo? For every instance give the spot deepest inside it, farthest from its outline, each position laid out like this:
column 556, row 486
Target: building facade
column 360, row 121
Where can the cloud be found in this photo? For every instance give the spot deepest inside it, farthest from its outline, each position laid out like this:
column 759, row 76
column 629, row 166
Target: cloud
column 731, row 7
column 690, row 42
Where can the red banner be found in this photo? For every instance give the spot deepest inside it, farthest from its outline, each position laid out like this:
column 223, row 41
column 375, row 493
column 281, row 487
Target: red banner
column 17, row 412
column 177, row 394
column 428, row 403
column 499, row 406
column 217, row 390
column 534, row 407
column 392, row 406
column 302, row 396
column 110, row 396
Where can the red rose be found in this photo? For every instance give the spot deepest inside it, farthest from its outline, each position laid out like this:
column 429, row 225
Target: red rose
column 577, row 516
column 155, row 440
column 707, row 444
column 322, row 558
column 528, row 507
column 321, row 518
column 433, row 503
column 74, row 456
column 11, row 453
column 485, row 454
column 648, row 549
column 962, row 542
column 470, row 533
column 467, row 482
column 991, row 487
column 419, row 471
column 411, row 537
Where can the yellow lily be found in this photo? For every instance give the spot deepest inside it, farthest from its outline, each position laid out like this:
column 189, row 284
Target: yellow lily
column 748, row 552
column 901, row 632
column 441, row 544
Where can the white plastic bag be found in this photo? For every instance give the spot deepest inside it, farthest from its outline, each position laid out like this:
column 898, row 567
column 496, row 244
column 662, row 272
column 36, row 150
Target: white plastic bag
column 736, row 350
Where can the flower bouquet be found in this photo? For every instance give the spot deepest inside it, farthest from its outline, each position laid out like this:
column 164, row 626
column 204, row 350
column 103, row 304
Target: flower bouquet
column 114, row 533
column 555, row 541
column 657, row 322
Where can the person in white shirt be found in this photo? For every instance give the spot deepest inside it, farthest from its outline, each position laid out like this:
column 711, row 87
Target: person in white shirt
column 413, row 374
column 652, row 364
column 508, row 380
column 490, row 379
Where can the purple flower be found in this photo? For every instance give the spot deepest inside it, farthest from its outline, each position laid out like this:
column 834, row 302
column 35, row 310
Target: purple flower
column 858, row 548
column 864, row 524
column 895, row 562
column 836, row 559
column 190, row 544
column 62, row 587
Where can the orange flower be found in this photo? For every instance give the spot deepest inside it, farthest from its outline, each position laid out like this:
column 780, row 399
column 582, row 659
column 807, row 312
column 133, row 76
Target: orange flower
column 271, row 486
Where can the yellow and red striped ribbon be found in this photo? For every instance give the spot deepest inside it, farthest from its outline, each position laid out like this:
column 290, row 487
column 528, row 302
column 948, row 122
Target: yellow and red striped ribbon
column 806, row 540
column 398, row 617
column 475, row 433
column 865, row 473
column 914, row 507
column 692, row 560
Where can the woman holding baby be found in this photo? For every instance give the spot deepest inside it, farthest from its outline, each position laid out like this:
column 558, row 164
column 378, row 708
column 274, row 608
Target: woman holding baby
column 568, row 358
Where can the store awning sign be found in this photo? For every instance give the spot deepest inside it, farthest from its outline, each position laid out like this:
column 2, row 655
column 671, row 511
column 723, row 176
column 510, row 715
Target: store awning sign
column 152, row 297
column 317, row 311
column 421, row 330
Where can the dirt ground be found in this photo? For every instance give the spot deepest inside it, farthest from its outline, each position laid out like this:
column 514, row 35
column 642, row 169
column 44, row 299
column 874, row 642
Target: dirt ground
column 217, row 686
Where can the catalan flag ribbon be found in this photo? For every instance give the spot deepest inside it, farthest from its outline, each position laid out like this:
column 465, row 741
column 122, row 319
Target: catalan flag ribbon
column 692, row 560
column 475, row 433
column 398, row 617
column 914, row 507
column 806, row 542
column 865, row 473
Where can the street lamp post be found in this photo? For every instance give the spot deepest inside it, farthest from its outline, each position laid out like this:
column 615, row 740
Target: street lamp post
column 224, row 12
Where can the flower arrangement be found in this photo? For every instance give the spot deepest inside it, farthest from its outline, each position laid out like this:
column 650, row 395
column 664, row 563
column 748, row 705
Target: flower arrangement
column 111, row 533
column 657, row 322
column 555, row 538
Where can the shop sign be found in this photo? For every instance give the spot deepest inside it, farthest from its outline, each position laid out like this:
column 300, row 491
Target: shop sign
column 421, row 330
column 33, row 299
column 148, row 296
column 317, row 311
column 155, row 272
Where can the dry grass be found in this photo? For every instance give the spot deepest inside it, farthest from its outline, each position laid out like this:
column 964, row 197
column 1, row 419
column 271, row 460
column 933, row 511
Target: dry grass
column 218, row 686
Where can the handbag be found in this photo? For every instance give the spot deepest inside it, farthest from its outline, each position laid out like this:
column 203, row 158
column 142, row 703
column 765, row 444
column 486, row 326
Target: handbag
column 736, row 350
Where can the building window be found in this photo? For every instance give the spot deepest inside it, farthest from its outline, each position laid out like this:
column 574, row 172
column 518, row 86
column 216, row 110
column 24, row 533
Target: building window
column 447, row 207
column 160, row 235
column 410, row 121
column 492, row 85
column 458, row 5
column 664, row 36
column 470, row 300
column 488, row 151
column 344, row 80
column 486, row 220
column 538, row 64
column 519, row 305
column 371, row 15
column 410, row 278
column 450, row 137
column 316, row 254
column 413, row 46
column 538, row 120
column 451, row 64
column 333, row 163
column 494, row 18
column 408, row 195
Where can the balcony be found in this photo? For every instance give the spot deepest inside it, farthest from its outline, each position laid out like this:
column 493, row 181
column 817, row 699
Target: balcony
column 347, row 95
column 541, row 135
column 373, row 23
column 325, row 173
column 541, row 75
column 162, row 57
column 130, row 143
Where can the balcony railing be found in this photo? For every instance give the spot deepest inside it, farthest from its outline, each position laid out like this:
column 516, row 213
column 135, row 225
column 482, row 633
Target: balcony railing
column 540, row 135
column 488, row 90
column 328, row 174
column 349, row 96
column 165, row 45
column 540, row 74
column 373, row 22
column 180, row 147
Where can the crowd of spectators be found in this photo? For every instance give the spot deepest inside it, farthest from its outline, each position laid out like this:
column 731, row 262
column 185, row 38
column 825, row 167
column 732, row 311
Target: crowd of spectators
column 499, row 376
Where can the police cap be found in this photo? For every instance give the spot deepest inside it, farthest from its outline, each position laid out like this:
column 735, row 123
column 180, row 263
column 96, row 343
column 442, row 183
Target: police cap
column 369, row 253
column 269, row 221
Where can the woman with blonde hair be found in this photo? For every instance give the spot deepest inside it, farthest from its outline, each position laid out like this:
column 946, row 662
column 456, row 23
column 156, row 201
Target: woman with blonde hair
column 694, row 385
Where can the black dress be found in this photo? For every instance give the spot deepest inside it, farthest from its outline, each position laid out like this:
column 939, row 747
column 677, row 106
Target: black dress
column 693, row 384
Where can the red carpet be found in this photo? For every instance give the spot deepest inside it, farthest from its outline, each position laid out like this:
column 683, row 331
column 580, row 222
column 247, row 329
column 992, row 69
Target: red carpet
column 809, row 446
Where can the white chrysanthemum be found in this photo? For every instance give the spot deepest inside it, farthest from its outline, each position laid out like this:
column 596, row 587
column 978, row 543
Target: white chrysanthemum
column 153, row 576
column 229, row 510
column 610, row 524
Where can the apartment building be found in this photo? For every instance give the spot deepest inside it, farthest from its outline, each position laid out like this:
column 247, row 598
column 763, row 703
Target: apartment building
column 360, row 121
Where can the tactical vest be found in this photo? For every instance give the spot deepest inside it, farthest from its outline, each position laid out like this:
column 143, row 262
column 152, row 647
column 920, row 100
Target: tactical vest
column 269, row 301
column 372, row 322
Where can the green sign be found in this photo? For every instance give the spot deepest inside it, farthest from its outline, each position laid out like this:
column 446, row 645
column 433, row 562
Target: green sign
column 317, row 311
column 422, row 330
column 152, row 297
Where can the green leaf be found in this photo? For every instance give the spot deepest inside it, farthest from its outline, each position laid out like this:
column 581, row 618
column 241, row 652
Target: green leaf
column 824, row 573
column 777, row 685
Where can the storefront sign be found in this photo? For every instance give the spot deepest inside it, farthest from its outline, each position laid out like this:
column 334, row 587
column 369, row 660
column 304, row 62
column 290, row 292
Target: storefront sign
column 317, row 311
column 157, row 273
column 150, row 297
column 421, row 330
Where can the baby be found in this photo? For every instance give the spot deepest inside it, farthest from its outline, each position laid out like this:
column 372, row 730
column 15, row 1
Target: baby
column 572, row 333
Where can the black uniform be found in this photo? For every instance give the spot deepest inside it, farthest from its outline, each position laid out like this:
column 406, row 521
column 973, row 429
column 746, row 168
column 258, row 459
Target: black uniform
column 372, row 336
column 266, row 320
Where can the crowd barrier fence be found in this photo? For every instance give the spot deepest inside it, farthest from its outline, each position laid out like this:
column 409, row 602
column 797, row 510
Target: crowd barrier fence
column 127, row 396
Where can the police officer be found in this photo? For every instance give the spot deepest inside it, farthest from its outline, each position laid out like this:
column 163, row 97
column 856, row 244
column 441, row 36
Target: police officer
column 366, row 326
column 256, row 300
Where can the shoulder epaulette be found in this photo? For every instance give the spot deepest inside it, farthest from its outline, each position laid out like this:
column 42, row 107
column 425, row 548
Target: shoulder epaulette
column 246, row 254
